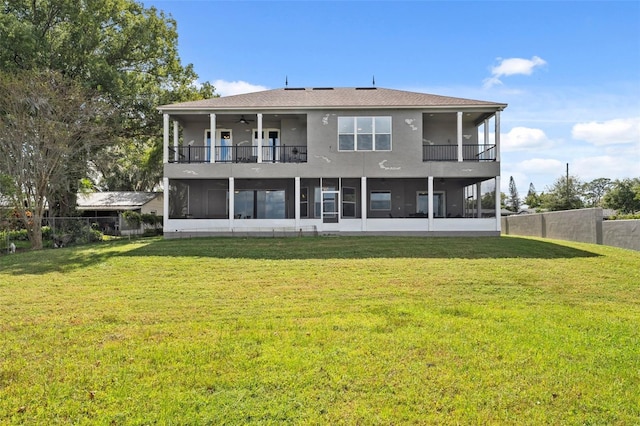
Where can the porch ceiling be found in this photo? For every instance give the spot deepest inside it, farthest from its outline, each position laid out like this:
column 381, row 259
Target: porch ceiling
column 252, row 118
column 475, row 117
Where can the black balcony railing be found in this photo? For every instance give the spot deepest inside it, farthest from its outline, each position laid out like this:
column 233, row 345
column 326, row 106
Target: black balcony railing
column 480, row 152
column 284, row 154
column 238, row 154
column 189, row 154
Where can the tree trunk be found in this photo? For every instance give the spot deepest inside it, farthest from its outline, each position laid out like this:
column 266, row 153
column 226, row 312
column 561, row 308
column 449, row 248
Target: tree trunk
column 64, row 204
column 34, row 232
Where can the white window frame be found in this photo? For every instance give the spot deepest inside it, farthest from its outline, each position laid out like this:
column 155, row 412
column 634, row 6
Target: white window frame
column 444, row 204
column 373, row 133
column 304, row 201
column 354, row 202
column 265, row 139
column 419, row 194
column 213, row 143
column 257, row 207
column 373, row 191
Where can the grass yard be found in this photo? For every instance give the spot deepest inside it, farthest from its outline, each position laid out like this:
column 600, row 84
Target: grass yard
column 325, row 330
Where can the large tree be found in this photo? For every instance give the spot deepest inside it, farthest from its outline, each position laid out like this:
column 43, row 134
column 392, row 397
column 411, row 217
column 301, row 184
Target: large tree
column 533, row 199
column 513, row 202
column 595, row 190
column 121, row 49
column 565, row 194
column 624, row 196
column 49, row 126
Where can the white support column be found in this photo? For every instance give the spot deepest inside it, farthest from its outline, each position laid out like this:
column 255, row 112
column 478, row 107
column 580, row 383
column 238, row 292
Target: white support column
column 296, row 198
column 259, row 138
column 479, row 200
column 165, row 202
column 165, row 138
column 459, row 135
column 175, row 141
column 363, row 202
column 232, row 198
column 486, row 131
column 430, row 191
column 212, row 130
column 498, row 208
column 497, row 136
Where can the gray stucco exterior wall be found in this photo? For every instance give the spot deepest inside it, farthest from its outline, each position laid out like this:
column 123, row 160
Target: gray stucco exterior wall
column 621, row 233
column 319, row 132
column 585, row 225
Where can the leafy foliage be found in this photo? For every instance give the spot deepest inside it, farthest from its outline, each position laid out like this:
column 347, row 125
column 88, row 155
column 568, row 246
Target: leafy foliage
column 624, row 196
column 80, row 233
column 151, row 219
column 119, row 48
column 595, row 190
column 133, row 219
column 49, row 127
column 565, row 194
column 532, row 199
column 513, row 202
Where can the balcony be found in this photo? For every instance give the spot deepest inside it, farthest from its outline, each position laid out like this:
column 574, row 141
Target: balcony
column 238, row 154
column 481, row 152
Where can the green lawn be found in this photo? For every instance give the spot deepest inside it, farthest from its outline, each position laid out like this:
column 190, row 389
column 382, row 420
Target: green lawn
column 324, row 330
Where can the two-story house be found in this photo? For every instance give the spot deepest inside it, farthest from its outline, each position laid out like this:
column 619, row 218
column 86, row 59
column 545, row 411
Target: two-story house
column 332, row 160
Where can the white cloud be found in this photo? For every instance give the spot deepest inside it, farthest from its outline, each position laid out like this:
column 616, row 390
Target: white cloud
column 621, row 130
column 539, row 171
column 524, row 139
column 542, row 166
column 613, row 167
column 229, row 88
column 513, row 66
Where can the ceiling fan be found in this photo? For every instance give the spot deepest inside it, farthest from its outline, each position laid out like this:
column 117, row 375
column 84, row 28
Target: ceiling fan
column 244, row 120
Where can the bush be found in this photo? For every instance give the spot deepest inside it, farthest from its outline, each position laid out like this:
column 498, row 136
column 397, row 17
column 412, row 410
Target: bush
column 19, row 235
column 69, row 234
column 625, row 216
column 153, row 232
column 94, row 236
column 151, row 219
column 133, row 219
column 47, row 233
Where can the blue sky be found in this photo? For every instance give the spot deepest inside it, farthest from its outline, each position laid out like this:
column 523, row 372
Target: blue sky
column 570, row 71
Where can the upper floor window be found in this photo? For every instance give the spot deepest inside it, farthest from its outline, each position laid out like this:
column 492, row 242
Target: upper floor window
column 364, row 133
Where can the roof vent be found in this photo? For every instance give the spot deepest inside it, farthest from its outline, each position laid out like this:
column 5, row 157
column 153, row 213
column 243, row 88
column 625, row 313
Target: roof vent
column 294, row 88
column 323, row 88
column 366, row 88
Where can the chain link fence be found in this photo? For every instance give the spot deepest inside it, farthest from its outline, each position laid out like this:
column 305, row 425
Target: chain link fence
column 81, row 230
column 63, row 231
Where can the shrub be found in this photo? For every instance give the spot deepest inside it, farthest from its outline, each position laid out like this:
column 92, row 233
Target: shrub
column 133, row 219
column 47, row 233
column 153, row 232
column 19, row 235
column 151, row 219
column 625, row 216
column 94, row 236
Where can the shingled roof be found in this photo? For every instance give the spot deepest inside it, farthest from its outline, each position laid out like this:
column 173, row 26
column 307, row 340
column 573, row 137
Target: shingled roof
column 123, row 200
column 328, row 97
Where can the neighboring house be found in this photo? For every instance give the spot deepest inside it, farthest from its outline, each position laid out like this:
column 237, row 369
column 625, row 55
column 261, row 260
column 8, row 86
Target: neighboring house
column 107, row 207
column 5, row 205
column 331, row 160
